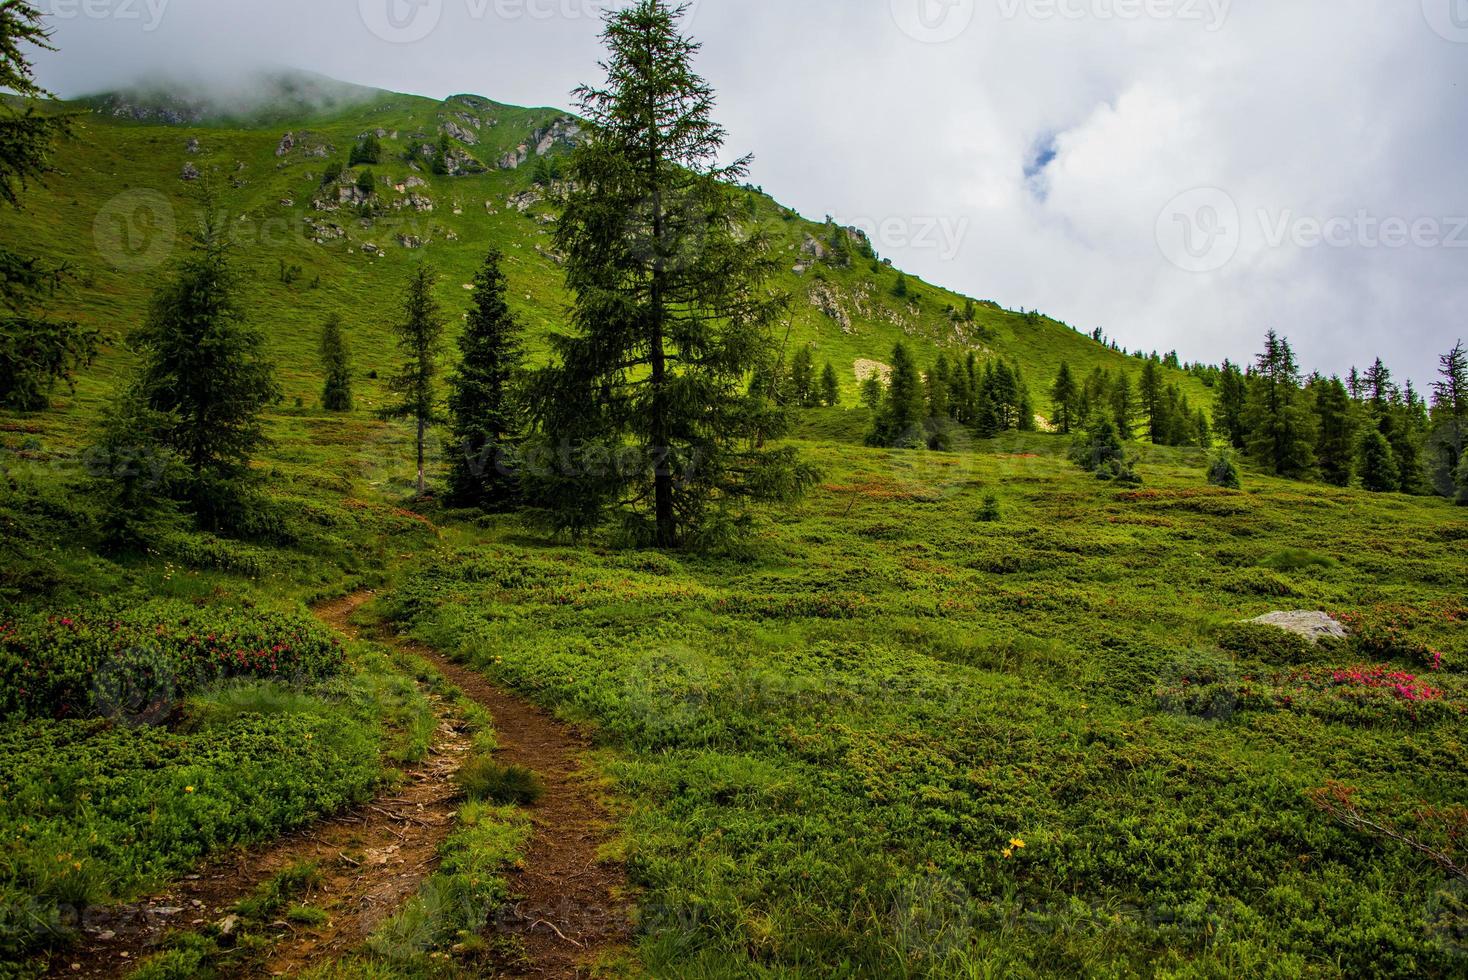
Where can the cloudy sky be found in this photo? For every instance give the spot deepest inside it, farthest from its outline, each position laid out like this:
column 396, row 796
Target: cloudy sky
column 1182, row 173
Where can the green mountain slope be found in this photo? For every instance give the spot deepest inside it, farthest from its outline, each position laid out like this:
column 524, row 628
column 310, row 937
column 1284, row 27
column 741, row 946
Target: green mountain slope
column 119, row 206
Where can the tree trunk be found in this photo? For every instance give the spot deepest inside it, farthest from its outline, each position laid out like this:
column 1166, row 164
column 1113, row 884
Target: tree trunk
column 667, row 527
column 422, row 430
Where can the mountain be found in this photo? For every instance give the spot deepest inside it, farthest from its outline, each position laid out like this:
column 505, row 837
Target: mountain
column 126, row 193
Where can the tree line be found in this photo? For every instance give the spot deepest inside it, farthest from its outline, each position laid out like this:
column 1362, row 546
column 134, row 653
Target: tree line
column 1364, row 429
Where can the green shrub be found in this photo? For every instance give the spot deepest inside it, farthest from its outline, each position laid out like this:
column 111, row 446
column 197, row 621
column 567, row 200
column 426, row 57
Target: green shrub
column 1267, row 644
column 1296, row 560
column 989, row 513
column 1260, row 582
column 133, row 663
column 482, row 778
column 1223, row 471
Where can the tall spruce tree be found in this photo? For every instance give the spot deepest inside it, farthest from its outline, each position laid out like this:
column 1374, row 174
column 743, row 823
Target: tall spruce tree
column 36, row 351
column 873, row 391
column 900, row 421
column 803, row 377
column 1278, row 417
column 1152, row 396
column 336, row 394
column 1335, row 447
column 671, row 308
column 830, row 386
column 204, row 369
column 1449, row 419
column 1233, row 396
column 485, row 411
column 419, row 335
column 1063, row 397
column 938, row 392
column 1124, row 407
column 1379, row 472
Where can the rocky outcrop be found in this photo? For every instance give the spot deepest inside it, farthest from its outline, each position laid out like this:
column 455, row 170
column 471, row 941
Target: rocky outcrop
column 811, row 252
column 192, row 146
column 523, row 201
column 458, row 163
column 1313, row 626
column 189, row 172
column 461, row 133
column 411, row 241
column 322, row 232
column 418, row 202
column 513, row 159
column 823, row 296
column 309, row 145
column 560, row 134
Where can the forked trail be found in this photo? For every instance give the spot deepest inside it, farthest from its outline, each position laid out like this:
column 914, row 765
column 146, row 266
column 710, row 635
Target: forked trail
column 569, row 910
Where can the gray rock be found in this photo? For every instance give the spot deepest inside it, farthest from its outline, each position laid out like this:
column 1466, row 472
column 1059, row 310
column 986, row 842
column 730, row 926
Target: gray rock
column 189, row 172
column 461, row 133
column 287, row 143
column 1313, row 626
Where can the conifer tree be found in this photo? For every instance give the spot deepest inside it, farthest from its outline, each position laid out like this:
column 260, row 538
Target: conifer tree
column 937, row 384
column 873, row 391
column 1228, row 417
column 1152, row 398
column 1063, row 396
column 1223, row 471
column 1449, row 418
column 336, row 395
column 1462, row 496
column 899, row 422
column 419, row 336
column 1278, row 417
column 671, row 309
column 36, row 351
column 830, row 386
column 133, row 473
column 1124, row 407
column 485, row 412
column 1379, row 472
column 1335, row 447
column 367, row 150
column 204, row 369
column 803, row 377
column 1408, row 435
column 1024, row 406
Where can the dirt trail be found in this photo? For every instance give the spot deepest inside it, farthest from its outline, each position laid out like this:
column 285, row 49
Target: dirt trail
column 571, row 908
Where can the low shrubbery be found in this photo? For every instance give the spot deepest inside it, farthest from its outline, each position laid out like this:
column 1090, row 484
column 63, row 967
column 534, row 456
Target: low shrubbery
column 135, row 663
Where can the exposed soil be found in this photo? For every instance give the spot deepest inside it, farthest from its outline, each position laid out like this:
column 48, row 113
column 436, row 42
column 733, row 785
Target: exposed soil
column 570, row 907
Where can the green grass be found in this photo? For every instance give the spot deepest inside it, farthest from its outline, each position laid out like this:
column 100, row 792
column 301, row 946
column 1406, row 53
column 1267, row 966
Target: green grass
column 827, row 749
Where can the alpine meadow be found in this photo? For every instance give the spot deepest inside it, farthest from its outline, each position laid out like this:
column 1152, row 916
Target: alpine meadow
column 440, row 538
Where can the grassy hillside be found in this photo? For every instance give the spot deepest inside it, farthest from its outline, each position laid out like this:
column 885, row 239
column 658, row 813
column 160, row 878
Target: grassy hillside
column 117, row 209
